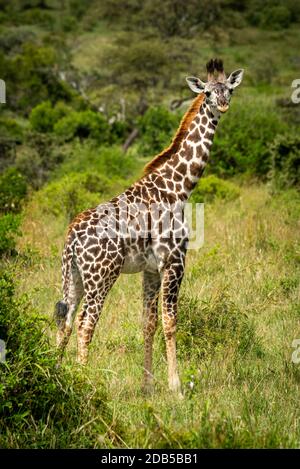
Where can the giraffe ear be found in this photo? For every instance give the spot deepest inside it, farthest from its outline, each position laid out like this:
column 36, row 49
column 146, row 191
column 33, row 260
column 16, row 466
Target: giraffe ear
column 235, row 78
column 195, row 84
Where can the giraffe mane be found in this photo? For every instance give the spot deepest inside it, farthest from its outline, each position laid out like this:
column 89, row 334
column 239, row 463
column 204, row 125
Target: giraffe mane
column 187, row 119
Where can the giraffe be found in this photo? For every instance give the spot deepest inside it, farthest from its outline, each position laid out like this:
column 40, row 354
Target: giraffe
column 126, row 235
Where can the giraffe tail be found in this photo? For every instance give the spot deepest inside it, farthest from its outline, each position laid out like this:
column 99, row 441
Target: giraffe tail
column 60, row 313
column 62, row 307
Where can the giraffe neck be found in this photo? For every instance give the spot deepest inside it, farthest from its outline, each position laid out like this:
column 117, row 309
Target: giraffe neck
column 183, row 170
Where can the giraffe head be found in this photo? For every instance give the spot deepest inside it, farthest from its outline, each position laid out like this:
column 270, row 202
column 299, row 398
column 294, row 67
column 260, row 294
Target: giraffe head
column 218, row 88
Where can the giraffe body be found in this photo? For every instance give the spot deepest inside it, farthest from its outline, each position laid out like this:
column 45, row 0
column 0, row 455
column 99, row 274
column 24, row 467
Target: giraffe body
column 141, row 230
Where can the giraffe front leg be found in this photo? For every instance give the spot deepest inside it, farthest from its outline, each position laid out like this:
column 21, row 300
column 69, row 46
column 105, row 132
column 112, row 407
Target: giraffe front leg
column 171, row 283
column 151, row 287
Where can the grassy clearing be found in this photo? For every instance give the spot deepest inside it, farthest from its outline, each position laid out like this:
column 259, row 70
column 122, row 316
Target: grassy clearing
column 239, row 313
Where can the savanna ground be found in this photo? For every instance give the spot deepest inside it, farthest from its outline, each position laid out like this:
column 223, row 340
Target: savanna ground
column 239, row 306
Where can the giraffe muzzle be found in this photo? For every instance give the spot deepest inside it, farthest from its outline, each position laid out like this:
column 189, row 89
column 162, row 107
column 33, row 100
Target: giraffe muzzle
column 223, row 108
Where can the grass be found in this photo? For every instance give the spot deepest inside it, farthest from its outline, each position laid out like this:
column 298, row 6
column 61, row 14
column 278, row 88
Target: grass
column 242, row 287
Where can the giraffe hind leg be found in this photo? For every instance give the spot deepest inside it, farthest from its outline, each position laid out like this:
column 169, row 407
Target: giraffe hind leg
column 90, row 313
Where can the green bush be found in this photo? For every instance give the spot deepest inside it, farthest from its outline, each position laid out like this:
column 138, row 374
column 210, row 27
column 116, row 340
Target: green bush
column 13, row 189
column 285, row 162
column 33, row 78
column 277, row 17
column 38, row 157
column 41, row 405
column 109, row 161
column 273, row 14
column 10, row 129
column 9, row 230
column 206, row 327
column 11, row 39
column 242, row 138
column 72, row 194
column 44, row 116
column 212, row 187
column 156, row 127
column 118, row 131
column 83, row 124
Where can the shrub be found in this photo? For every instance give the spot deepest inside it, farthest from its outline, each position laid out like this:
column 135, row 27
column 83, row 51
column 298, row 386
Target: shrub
column 211, row 187
column 13, row 189
column 285, row 162
column 242, row 139
column 110, row 162
column 11, row 39
column 73, row 194
column 83, row 124
column 277, row 17
column 9, row 230
column 204, row 327
column 33, row 78
column 44, row 116
column 11, row 134
column 118, row 131
column 272, row 15
column 38, row 156
column 41, row 405
column 10, row 129
column 157, row 127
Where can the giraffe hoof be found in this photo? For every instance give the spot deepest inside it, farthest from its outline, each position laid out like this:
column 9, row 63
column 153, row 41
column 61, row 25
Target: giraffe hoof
column 174, row 385
column 147, row 389
column 81, row 361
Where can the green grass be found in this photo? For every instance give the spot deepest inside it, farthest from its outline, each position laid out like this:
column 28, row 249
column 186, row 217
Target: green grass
column 242, row 288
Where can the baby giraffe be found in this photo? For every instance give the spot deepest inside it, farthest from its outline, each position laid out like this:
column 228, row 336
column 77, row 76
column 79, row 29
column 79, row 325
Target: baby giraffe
column 130, row 234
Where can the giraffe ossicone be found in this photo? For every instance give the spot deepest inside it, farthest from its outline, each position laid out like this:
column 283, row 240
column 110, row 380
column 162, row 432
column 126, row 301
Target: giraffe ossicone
column 144, row 230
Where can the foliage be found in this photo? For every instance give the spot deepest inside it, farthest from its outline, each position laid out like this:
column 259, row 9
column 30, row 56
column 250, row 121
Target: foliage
column 178, row 19
column 32, row 77
column 274, row 14
column 9, row 230
column 10, row 128
column 285, row 162
column 242, row 139
column 212, row 187
column 43, row 117
column 11, row 135
column 38, row 400
column 72, row 194
column 138, row 64
column 13, row 189
column 108, row 161
column 208, row 326
column 83, row 124
column 38, row 156
column 118, row 131
column 11, row 39
column 156, row 127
